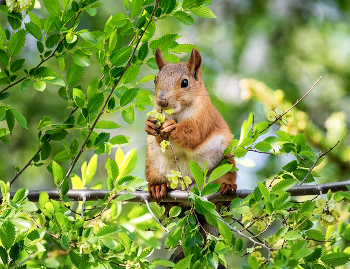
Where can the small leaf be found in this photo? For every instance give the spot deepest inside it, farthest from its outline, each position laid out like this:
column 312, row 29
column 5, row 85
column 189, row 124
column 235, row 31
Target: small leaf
column 107, row 125
column 219, row 171
column 203, row 12
column 263, row 146
column 20, row 195
column 197, row 173
column 53, row 7
column 74, row 74
column 79, row 97
column 335, row 259
column 128, row 96
column 20, row 118
column 129, row 115
column 210, row 189
column 315, row 234
column 240, row 152
column 39, row 86
column 184, row 17
column 16, row 43
column 136, row 6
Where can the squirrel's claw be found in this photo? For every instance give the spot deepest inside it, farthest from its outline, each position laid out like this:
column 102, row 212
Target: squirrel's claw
column 158, row 192
column 167, row 127
column 227, row 188
column 151, row 127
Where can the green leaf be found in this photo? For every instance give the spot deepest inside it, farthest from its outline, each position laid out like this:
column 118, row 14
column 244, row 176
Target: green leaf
column 107, row 230
column 101, row 139
column 17, row 65
column 3, row 57
column 314, row 256
column 79, row 97
column 210, row 189
column 128, row 96
column 164, row 43
column 2, row 112
column 74, row 74
column 264, row 190
column 95, row 102
column 20, row 118
column 7, row 234
column 10, row 119
column 89, row 37
column 57, row 173
column 173, row 238
column 162, row 262
column 174, row 211
column 34, row 30
column 246, row 142
column 20, row 195
column 48, row 75
column 283, row 136
column 71, row 38
column 219, row 171
column 62, row 156
column 143, row 52
column 315, row 234
column 263, row 146
column 45, row 150
column 284, row 185
column 119, row 58
column 92, row 88
column 129, row 115
column 125, row 197
column 292, row 235
column 183, row 48
column 120, row 140
column 81, row 59
column 119, row 20
column 335, row 259
column 53, row 7
column 16, row 43
column 240, row 152
column 39, row 86
column 107, row 125
column 3, row 255
column 136, row 7
column 130, row 74
column 46, row 120
column 203, row 12
column 197, row 173
column 291, row 166
column 128, row 163
column 184, row 17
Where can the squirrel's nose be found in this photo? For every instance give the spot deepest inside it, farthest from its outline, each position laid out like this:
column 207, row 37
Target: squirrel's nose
column 162, row 101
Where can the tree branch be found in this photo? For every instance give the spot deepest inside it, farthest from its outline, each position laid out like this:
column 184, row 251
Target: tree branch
column 182, row 196
column 110, row 94
column 280, row 117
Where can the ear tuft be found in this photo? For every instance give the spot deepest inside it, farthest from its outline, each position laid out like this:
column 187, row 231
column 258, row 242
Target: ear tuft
column 159, row 59
column 194, row 64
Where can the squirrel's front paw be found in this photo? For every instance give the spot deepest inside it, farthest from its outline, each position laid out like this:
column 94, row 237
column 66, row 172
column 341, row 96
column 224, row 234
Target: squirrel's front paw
column 167, row 127
column 227, row 188
column 158, row 192
column 151, row 126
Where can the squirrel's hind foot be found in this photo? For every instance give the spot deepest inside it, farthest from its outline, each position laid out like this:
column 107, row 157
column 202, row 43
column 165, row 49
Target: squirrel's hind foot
column 158, row 192
column 227, row 188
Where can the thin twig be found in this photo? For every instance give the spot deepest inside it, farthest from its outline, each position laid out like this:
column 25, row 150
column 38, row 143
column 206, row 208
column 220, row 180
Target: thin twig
column 252, row 130
column 258, row 151
column 110, row 95
column 246, row 236
column 38, row 151
column 280, row 117
column 42, row 61
column 83, row 207
column 154, row 216
column 178, row 167
column 314, row 165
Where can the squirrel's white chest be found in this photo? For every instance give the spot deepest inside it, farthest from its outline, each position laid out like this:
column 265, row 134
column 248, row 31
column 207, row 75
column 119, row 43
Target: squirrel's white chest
column 211, row 151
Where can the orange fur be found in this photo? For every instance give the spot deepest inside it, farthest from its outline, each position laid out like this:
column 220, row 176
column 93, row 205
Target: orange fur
column 196, row 129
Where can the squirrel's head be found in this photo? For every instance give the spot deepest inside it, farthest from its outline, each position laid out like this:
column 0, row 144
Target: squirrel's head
column 179, row 85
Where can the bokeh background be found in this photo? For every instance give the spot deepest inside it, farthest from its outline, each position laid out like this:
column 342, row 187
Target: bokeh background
column 257, row 55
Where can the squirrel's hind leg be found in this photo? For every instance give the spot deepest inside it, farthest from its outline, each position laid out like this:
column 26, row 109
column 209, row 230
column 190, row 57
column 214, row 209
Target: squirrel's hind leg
column 228, row 183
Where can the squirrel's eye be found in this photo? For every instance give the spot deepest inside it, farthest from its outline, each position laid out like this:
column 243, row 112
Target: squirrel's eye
column 184, row 83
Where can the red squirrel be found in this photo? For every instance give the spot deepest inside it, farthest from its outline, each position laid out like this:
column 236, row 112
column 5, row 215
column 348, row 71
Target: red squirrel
column 195, row 129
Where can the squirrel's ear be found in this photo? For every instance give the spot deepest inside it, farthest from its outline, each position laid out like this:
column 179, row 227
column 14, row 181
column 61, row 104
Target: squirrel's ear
column 194, row 64
column 159, row 59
